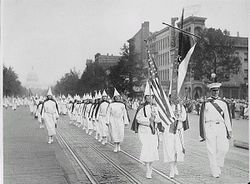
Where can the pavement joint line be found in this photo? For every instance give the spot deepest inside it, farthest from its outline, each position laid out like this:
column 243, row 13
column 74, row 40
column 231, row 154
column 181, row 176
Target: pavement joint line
column 85, row 169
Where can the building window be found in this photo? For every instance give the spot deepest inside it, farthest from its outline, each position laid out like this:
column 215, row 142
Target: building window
column 246, row 72
column 246, row 57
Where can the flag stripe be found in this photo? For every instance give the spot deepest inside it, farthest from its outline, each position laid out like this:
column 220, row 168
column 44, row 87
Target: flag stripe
column 164, row 101
column 158, row 96
column 164, row 108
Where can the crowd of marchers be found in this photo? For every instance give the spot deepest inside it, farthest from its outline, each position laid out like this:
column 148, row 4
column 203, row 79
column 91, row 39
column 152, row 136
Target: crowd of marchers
column 96, row 113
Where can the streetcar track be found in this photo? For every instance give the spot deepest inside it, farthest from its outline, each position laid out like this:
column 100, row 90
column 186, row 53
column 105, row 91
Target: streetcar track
column 124, row 172
column 79, row 161
column 154, row 169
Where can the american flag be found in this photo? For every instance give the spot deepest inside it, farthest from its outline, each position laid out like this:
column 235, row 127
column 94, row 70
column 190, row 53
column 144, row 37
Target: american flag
column 162, row 102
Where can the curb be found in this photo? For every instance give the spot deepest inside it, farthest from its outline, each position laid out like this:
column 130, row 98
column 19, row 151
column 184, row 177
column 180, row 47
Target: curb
column 241, row 144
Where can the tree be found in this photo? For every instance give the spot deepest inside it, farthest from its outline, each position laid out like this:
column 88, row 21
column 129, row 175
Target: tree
column 67, row 84
column 93, row 78
column 11, row 85
column 214, row 53
column 129, row 72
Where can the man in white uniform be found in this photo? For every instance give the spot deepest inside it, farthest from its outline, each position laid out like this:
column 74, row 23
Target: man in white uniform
column 50, row 114
column 215, row 128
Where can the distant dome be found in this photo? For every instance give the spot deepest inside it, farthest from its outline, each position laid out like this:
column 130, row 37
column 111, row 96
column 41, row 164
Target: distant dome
column 32, row 76
column 32, row 79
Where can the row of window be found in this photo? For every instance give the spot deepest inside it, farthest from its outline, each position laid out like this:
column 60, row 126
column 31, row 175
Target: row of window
column 163, row 43
column 164, row 74
column 162, row 59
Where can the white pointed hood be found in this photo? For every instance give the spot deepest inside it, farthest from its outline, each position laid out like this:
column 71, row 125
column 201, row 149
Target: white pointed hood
column 147, row 90
column 116, row 93
column 49, row 93
column 104, row 93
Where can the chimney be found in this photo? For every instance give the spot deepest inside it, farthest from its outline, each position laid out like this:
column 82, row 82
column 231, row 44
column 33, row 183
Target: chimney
column 238, row 34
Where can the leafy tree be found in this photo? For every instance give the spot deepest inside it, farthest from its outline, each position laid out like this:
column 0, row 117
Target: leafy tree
column 214, row 52
column 129, row 72
column 11, row 85
column 93, row 78
column 67, row 84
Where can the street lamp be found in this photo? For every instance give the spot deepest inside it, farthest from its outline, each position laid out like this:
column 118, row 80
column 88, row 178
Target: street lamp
column 213, row 75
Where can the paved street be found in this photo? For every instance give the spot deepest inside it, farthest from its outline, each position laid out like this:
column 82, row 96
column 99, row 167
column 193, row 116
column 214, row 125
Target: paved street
column 29, row 159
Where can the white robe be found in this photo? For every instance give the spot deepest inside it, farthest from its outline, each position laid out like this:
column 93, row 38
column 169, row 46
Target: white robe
column 173, row 144
column 102, row 118
column 50, row 115
column 117, row 118
column 149, row 150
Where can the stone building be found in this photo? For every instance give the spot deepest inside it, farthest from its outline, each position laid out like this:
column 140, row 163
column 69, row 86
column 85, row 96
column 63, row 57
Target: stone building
column 107, row 61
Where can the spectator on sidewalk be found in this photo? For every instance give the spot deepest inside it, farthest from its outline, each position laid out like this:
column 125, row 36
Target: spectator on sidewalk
column 246, row 112
column 215, row 129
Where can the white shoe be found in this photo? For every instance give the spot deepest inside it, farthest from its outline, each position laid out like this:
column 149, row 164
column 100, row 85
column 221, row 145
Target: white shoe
column 171, row 174
column 83, row 128
column 100, row 140
column 149, row 175
column 219, row 170
column 216, row 175
column 115, row 150
column 119, row 148
column 50, row 141
column 90, row 133
column 96, row 137
column 103, row 143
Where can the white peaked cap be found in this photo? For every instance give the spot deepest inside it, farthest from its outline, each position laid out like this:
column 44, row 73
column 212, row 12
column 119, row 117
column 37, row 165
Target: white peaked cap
column 63, row 96
column 104, row 93
column 147, row 90
column 214, row 85
column 116, row 93
column 49, row 92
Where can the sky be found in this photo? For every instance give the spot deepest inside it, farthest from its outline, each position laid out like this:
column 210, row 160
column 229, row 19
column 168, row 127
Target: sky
column 54, row 36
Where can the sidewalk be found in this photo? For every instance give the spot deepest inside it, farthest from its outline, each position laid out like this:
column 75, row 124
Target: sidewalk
column 28, row 158
column 241, row 133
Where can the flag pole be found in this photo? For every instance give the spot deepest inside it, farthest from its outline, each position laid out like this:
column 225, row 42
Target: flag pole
column 185, row 32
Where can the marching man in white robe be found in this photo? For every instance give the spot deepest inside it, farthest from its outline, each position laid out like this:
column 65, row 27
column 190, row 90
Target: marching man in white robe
column 117, row 119
column 173, row 139
column 145, row 124
column 50, row 115
column 102, row 117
